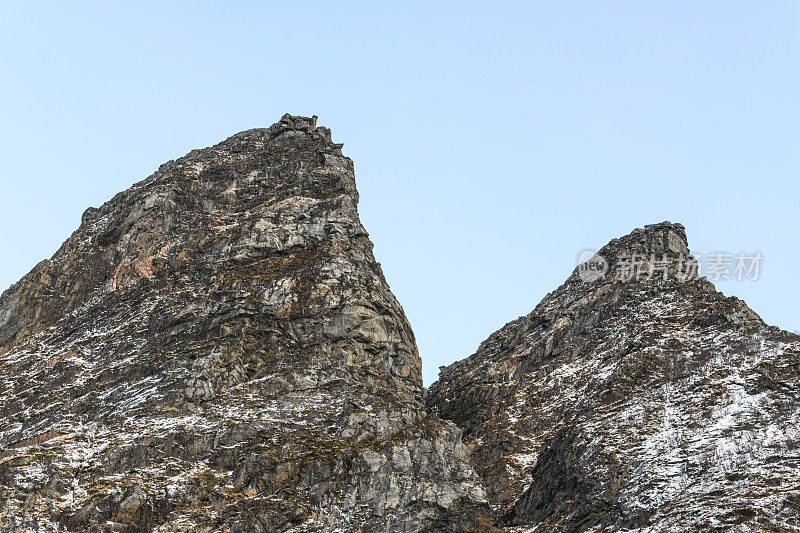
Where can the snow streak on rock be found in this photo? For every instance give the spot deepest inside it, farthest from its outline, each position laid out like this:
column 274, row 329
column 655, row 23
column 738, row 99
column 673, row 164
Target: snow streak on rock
column 643, row 405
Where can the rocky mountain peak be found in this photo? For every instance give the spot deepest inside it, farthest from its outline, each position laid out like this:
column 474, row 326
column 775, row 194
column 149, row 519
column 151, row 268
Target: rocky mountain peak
column 632, row 402
column 292, row 128
column 216, row 349
column 662, row 238
column 655, row 259
column 655, row 251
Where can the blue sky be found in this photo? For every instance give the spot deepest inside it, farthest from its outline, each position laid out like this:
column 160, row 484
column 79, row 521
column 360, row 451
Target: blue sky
column 493, row 142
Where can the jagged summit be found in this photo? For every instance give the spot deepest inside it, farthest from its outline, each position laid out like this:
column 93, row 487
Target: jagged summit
column 646, row 402
column 645, row 252
column 291, row 125
column 216, row 349
column 657, row 257
column 662, row 238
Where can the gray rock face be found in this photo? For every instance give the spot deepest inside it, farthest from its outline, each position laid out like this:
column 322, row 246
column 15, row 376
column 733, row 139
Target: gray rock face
column 652, row 403
column 216, row 349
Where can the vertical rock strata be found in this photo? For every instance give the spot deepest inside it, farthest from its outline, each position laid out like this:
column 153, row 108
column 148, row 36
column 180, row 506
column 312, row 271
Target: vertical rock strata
column 646, row 404
column 216, row 349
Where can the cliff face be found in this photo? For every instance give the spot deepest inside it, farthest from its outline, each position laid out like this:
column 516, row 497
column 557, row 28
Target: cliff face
column 653, row 403
column 216, row 349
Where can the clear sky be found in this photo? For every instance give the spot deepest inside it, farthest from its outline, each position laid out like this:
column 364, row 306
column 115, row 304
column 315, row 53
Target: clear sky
column 493, row 142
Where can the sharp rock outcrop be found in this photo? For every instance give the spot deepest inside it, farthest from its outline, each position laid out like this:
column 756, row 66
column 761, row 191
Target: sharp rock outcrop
column 216, row 349
column 634, row 401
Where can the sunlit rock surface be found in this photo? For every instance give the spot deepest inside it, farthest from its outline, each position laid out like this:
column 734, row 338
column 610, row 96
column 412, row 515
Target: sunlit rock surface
column 640, row 405
column 216, row 349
